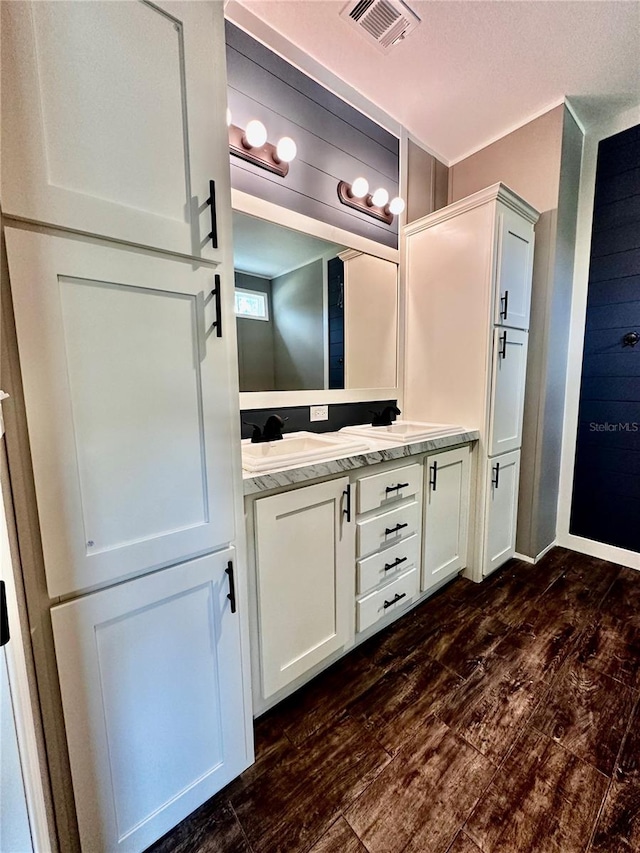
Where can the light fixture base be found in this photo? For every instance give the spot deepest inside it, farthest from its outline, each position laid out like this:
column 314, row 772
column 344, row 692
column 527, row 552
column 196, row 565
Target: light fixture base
column 364, row 205
column 265, row 157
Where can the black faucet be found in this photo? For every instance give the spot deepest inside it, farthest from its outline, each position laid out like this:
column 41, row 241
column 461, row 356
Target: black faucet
column 271, row 431
column 386, row 416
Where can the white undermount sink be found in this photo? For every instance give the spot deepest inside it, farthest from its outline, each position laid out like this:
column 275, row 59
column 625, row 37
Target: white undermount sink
column 298, row 448
column 405, row 431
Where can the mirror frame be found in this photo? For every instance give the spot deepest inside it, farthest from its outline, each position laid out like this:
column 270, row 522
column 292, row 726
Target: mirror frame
column 244, row 203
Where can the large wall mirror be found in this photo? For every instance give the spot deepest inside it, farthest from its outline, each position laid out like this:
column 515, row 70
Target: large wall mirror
column 312, row 315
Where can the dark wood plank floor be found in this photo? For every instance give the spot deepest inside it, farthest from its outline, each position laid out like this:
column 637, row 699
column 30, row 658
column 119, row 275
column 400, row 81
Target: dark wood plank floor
column 495, row 718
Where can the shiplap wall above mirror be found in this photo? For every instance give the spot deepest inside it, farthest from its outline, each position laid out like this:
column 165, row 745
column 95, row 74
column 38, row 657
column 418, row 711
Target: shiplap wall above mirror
column 313, row 315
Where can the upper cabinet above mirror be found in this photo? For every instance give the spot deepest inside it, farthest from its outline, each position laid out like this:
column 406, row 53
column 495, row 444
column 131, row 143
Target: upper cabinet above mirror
column 311, row 315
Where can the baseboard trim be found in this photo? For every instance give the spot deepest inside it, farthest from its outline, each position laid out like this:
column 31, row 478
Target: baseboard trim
column 591, row 548
column 534, row 560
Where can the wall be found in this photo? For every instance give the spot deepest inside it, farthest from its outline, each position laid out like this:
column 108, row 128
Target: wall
column 256, row 355
column 540, row 161
column 335, row 141
column 427, row 184
column 606, row 499
column 298, row 311
column 601, row 127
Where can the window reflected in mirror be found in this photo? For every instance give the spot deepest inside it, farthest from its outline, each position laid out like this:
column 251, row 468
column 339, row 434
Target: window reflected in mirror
column 311, row 315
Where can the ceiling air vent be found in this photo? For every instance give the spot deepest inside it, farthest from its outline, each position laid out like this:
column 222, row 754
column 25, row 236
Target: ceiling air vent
column 384, row 22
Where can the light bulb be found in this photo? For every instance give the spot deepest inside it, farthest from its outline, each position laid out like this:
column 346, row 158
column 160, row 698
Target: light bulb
column 380, row 197
column 255, row 134
column 396, row 206
column 286, row 149
column 360, row 188
column 228, row 117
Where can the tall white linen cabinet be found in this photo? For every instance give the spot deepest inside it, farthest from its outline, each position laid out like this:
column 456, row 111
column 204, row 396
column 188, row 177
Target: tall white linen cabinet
column 117, row 206
column 468, row 275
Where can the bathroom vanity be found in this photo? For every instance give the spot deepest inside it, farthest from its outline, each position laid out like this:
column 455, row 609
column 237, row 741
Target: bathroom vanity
column 340, row 547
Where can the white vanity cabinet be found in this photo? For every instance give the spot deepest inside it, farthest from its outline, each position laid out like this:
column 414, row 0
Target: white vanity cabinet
column 304, row 546
column 469, row 268
column 113, row 119
column 446, row 515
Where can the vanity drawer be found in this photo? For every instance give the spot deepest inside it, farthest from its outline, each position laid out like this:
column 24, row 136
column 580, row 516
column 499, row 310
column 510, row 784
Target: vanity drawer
column 374, row 491
column 377, row 605
column 387, row 564
column 388, row 528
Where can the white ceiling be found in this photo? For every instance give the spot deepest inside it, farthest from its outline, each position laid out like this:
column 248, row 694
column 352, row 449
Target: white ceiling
column 474, row 70
column 268, row 250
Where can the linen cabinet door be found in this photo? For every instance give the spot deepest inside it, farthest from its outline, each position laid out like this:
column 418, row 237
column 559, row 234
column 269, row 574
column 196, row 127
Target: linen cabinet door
column 150, row 674
column 502, row 480
column 446, row 515
column 514, row 270
column 113, row 119
column 129, row 408
column 305, row 579
column 507, row 389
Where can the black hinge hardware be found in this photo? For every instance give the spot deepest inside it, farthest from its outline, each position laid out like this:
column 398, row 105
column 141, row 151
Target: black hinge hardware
column 231, row 595
column 396, row 597
column 347, row 510
column 214, row 215
column 4, row 616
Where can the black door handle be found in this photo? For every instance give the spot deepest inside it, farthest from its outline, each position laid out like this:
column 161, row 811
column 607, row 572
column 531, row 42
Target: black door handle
column 231, row 595
column 505, row 301
column 217, row 324
column 4, row 616
column 433, row 481
column 213, row 234
column 347, row 511
column 389, row 530
column 396, row 562
column 496, row 468
column 502, row 352
column 396, row 597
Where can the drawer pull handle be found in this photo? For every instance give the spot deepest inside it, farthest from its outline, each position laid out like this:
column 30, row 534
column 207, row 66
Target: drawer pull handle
column 396, row 488
column 395, row 563
column 231, row 595
column 389, row 530
column 396, row 598
column 213, row 235
column 502, row 351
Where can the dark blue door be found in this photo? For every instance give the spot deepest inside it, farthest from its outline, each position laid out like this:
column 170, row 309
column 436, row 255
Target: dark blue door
column 336, row 322
column 606, row 496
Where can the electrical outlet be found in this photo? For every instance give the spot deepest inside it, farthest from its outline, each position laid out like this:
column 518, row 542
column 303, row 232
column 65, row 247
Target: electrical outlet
column 319, row 413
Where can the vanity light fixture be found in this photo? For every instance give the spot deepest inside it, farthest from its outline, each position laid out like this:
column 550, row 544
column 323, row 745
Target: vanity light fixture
column 251, row 145
column 357, row 195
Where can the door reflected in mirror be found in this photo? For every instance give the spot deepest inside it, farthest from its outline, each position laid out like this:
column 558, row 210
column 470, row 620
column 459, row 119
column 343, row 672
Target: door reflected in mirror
column 311, row 315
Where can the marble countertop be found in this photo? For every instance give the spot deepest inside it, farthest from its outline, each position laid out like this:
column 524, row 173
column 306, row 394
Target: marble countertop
column 380, row 450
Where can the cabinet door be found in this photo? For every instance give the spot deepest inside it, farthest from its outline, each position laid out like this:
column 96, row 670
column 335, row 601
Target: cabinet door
column 113, row 119
column 514, row 269
column 502, row 479
column 129, row 408
column 305, row 580
column 507, row 389
column 446, row 515
column 150, row 674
